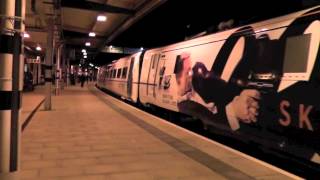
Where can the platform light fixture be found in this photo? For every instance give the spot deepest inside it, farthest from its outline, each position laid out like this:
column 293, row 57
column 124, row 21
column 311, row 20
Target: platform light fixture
column 85, row 57
column 85, row 53
column 102, row 18
column 92, row 34
column 83, row 50
column 38, row 48
column 26, row 35
column 88, row 44
column 141, row 48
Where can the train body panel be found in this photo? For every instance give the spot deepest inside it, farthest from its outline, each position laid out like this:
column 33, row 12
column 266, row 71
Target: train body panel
column 259, row 82
column 206, row 49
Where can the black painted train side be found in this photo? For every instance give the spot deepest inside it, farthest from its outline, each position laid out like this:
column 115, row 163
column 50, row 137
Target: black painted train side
column 257, row 83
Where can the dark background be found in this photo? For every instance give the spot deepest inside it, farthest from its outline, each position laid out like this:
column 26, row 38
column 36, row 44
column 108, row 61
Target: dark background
column 177, row 19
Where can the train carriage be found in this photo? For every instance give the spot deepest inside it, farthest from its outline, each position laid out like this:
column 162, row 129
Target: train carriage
column 258, row 83
column 122, row 77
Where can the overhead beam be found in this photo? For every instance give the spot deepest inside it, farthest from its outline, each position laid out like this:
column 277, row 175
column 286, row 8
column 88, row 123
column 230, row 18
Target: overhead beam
column 120, row 50
column 36, row 29
column 84, row 38
column 77, row 46
column 75, row 29
column 80, row 35
column 92, row 6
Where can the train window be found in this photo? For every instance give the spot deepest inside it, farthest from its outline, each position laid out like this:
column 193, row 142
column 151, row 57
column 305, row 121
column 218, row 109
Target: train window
column 152, row 61
column 119, row 73
column 124, row 73
column 179, row 65
column 104, row 75
column 155, row 59
column 114, row 73
column 296, row 54
column 266, row 59
column 161, row 72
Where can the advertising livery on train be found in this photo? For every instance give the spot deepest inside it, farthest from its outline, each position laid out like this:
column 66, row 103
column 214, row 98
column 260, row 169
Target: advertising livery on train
column 257, row 83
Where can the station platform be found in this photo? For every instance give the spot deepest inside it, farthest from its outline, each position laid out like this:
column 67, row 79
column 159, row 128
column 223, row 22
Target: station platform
column 31, row 102
column 90, row 135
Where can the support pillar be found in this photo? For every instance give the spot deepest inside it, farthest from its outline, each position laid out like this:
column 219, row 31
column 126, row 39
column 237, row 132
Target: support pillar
column 48, row 66
column 39, row 73
column 68, row 72
column 11, row 84
column 35, row 73
column 58, row 69
column 64, row 69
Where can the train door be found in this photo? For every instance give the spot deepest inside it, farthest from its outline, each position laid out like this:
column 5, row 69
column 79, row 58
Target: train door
column 156, row 62
column 151, row 85
column 130, row 78
column 160, row 72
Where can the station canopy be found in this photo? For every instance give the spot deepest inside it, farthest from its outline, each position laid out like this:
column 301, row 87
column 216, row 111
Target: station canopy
column 75, row 19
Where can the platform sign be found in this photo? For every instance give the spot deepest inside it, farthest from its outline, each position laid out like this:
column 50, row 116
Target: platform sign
column 34, row 61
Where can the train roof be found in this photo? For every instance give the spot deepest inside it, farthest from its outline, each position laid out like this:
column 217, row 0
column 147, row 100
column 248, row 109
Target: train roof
column 259, row 27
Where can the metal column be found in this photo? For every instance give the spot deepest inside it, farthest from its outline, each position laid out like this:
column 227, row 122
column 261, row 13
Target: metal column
column 68, row 71
column 58, row 68
column 12, row 13
column 35, row 73
column 64, row 70
column 48, row 66
column 39, row 72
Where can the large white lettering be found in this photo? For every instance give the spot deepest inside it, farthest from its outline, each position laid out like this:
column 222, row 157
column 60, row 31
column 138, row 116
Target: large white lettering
column 303, row 116
column 304, row 111
column 287, row 120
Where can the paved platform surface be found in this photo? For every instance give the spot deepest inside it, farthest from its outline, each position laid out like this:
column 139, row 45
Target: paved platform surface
column 30, row 101
column 91, row 136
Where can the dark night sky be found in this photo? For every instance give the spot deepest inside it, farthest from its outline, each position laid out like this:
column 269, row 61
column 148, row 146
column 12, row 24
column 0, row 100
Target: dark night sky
column 176, row 19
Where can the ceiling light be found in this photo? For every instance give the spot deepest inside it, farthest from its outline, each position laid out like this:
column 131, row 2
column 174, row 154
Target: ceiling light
column 85, row 53
column 85, row 57
column 26, row 35
column 88, row 44
column 102, row 18
column 83, row 50
column 38, row 48
column 92, row 34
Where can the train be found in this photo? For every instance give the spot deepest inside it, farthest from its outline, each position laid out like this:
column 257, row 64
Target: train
column 257, row 83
